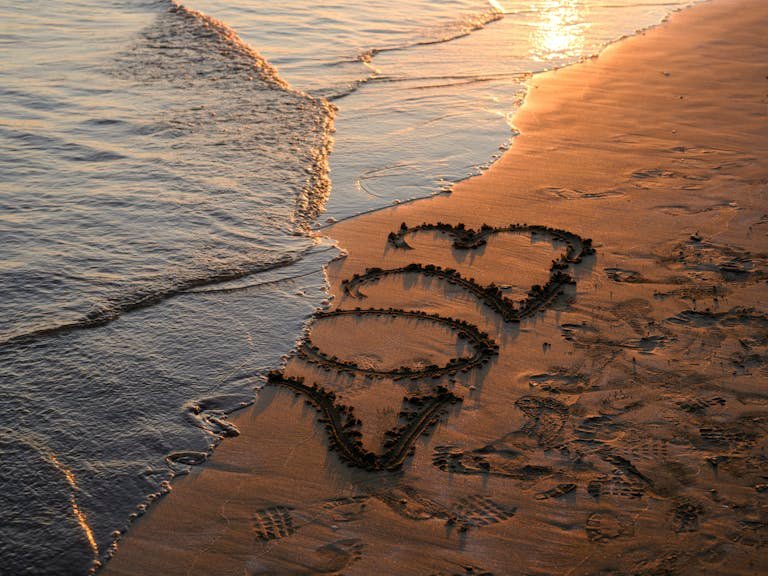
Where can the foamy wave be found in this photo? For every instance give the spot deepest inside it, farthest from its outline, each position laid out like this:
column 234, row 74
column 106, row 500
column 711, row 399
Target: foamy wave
column 186, row 47
column 213, row 169
column 221, row 281
column 459, row 28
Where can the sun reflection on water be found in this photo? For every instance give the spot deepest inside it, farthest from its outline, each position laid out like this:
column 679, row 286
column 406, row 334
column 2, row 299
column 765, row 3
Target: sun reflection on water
column 497, row 6
column 558, row 33
column 78, row 513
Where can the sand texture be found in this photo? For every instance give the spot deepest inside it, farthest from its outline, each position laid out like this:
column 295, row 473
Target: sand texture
column 559, row 368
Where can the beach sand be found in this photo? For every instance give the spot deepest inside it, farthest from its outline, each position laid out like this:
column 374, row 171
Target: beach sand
column 614, row 424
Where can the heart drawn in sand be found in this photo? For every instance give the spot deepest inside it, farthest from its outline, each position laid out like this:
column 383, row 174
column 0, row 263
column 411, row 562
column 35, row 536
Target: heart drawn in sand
column 421, row 412
column 537, row 298
column 343, row 426
column 483, row 346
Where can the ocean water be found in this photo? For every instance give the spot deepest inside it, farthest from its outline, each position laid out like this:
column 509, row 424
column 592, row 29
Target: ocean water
column 164, row 171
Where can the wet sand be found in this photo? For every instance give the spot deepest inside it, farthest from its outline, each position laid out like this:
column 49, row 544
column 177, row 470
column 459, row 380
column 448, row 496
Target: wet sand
column 566, row 377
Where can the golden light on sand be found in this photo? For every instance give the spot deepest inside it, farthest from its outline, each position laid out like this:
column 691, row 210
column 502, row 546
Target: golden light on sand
column 559, row 32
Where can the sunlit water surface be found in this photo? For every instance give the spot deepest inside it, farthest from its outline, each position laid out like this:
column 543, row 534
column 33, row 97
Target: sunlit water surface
column 157, row 181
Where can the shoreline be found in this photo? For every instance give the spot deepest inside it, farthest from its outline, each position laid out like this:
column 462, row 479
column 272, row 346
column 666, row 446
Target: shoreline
column 320, row 226
column 686, row 251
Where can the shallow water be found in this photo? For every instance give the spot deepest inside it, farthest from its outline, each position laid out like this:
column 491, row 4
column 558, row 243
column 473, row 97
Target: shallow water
column 157, row 181
column 426, row 90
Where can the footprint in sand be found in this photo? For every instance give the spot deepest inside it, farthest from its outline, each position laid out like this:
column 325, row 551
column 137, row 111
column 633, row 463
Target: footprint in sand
column 546, row 418
column 731, row 435
column 411, row 504
column 476, row 511
column 604, row 526
column 685, row 515
column 556, row 491
column 468, row 512
column 698, row 405
column 345, row 509
column 337, row 555
column 276, row 522
column 597, row 429
column 559, row 381
column 618, row 484
column 488, row 461
column 273, row 523
column 327, row 559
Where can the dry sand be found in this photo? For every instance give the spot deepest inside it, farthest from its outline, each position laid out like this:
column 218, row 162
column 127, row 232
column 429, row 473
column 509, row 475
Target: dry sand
column 620, row 428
